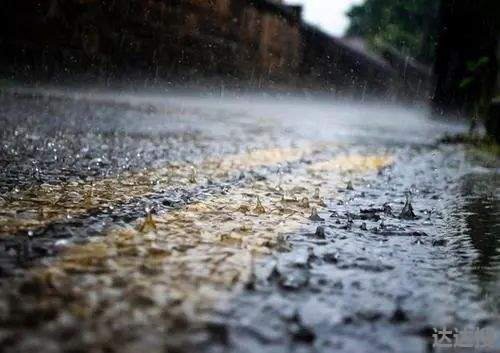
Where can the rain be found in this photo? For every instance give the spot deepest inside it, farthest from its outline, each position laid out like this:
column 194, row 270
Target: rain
column 249, row 176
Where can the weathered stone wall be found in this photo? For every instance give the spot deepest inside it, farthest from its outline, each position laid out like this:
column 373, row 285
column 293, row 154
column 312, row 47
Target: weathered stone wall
column 256, row 41
column 162, row 37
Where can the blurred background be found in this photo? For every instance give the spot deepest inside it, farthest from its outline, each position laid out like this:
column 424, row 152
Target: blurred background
column 412, row 50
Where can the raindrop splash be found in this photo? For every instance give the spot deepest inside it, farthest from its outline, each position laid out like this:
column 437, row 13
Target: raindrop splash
column 407, row 211
column 314, row 215
column 259, row 208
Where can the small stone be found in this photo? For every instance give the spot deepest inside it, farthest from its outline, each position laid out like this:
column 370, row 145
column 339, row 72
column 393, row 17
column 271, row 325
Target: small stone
column 330, row 258
column 218, row 332
column 303, row 334
column 439, row 242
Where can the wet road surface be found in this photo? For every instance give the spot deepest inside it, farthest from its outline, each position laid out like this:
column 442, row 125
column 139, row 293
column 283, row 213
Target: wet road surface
column 167, row 222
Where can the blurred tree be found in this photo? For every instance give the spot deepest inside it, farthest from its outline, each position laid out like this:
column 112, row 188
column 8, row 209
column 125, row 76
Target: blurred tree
column 408, row 25
column 466, row 63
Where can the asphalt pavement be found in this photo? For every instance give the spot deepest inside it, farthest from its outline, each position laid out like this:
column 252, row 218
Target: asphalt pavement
column 177, row 221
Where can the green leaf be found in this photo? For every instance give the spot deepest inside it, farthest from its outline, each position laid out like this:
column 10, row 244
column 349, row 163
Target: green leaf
column 466, row 82
column 474, row 65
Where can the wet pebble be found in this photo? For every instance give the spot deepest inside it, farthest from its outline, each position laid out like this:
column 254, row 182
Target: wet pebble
column 369, row 316
column 334, row 214
column 439, row 242
column 387, row 209
column 330, row 258
column 218, row 331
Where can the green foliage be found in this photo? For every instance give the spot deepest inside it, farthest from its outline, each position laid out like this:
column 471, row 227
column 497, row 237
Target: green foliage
column 408, row 25
column 481, row 105
column 466, row 82
column 473, row 67
column 480, row 146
